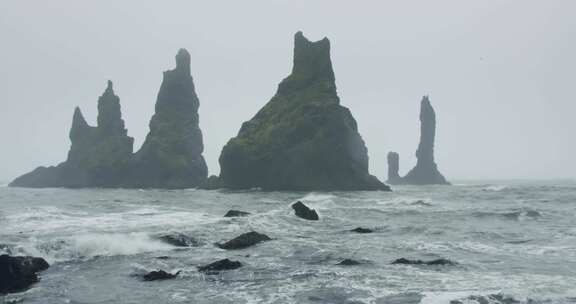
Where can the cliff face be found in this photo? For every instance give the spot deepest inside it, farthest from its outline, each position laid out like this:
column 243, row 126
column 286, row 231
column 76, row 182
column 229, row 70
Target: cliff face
column 426, row 171
column 302, row 139
column 171, row 156
column 98, row 155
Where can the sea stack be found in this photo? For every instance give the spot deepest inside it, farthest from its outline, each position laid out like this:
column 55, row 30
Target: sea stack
column 171, row 156
column 302, row 139
column 393, row 168
column 426, row 171
column 98, row 155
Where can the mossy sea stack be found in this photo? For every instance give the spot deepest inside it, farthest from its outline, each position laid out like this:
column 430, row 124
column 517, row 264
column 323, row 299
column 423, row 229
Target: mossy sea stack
column 171, row 156
column 302, row 139
column 98, row 155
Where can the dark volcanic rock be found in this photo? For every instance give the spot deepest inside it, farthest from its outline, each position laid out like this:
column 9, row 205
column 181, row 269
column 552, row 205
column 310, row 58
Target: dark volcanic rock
column 393, row 167
column 98, row 156
column 179, row 240
column 19, row 273
column 225, row 264
column 304, row 212
column 171, row 156
column 438, row 262
column 213, row 182
column 236, row 213
column 362, row 230
column 426, row 171
column 349, row 262
column 159, row 275
column 302, row 139
column 244, row 241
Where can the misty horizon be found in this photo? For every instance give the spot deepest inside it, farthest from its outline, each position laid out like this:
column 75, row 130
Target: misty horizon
column 500, row 89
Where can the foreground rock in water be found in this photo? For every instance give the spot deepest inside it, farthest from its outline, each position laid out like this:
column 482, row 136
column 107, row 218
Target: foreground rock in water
column 179, row 240
column 302, row 139
column 302, row 211
column 244, row 241
column 439, row 262
column 171, row 156
column 159, row 275
column 236, row 213
column 349, row 262
column 225, row 264
column 426, row 171
column 98, row 156
column 19, row 273
column 362, row 230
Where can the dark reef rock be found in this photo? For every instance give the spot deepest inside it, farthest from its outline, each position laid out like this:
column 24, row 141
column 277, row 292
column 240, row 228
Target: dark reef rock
column 225, row 264
column 362, row 230
column 244, row 241
column 302, row 211
column 159, row 275
column 19, row 273
column 171, row 156
column 98, row 156
column 236, row 213
column 213, row 182
column 179, row 240
column 302, row 139
column 426, row 171
column 349, row 262
column 437, row 262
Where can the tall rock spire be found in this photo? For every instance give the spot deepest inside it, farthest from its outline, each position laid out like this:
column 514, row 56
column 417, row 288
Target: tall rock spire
column 393, row 168
column 426, row 170
column 109, row 112
column 302, row 139
column 171, row 156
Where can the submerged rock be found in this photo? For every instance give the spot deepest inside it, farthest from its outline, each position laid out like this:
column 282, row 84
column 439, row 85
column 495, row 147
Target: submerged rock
column 362, row 230
column 236, row 213
column 171, row 156
column 244, row 241
column 426, row 171
column 349, row 262
column 302, row 139
column 224, row 264
column 19, row 273
column 437, row 262
column 302, row 211
column 98, row 156
column 160, row 275
column 179, row 240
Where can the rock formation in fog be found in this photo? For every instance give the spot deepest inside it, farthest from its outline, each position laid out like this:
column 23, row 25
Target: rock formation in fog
column 302, row 139
column 171, row 156
column 393, row 168
column 101, row 156
column 426, row 171
column 98, row 155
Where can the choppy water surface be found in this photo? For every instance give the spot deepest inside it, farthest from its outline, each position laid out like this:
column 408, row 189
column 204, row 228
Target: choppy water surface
column 514, row 244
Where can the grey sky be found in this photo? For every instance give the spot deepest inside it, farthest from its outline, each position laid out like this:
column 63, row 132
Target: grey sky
column 499, row 73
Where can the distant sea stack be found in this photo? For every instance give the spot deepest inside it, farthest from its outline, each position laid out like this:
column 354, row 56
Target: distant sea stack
column 98, row 155
column 426, row 171
column 171, row 156
column 302, row 139
column 101, row 156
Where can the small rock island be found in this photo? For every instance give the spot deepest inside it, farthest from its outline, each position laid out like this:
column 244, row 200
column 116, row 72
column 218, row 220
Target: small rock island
column 426, row 171
column 302, row 139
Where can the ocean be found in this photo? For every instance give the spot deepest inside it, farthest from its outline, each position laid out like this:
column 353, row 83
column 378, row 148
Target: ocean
column 513, row 242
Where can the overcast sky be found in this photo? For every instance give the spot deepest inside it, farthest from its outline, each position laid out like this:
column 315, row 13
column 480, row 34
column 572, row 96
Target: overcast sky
column 500, row 74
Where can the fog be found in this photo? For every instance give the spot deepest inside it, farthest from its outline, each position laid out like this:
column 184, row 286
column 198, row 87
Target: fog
column 499, row 74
